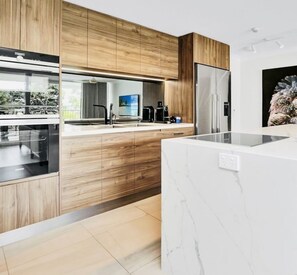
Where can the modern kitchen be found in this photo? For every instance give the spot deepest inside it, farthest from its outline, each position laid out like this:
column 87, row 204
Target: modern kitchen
column 138, row 141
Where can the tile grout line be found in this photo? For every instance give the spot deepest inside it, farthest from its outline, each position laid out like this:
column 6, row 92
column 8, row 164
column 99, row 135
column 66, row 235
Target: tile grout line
column 148, row 214
column 48, row 253
column 119, row 224
column 146, row 264
column 32, row 260
column 107, row 250
column 5, row 260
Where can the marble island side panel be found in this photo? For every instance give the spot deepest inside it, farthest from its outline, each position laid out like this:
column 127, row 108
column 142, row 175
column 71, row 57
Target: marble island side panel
column 222, row 222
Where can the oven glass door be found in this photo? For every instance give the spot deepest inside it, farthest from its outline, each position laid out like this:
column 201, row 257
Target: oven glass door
column 24, row 151
column 27, row 91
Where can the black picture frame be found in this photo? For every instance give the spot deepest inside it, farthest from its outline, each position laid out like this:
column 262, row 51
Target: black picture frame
column 270, row 79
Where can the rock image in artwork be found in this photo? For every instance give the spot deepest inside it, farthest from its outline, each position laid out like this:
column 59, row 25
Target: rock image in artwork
column 283, row 104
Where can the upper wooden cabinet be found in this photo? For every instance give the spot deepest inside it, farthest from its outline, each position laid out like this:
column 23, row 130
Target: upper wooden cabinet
column 74, row 47
column 102, row 30
column 40, row 26
column 211, row 52
column 10, row 23
column 150, row 52
column 169, row 56
column 116, row 45
column 128, row 47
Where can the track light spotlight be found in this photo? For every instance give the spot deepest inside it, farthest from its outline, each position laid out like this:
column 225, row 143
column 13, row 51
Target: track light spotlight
column 280, row 45
column 253, row 49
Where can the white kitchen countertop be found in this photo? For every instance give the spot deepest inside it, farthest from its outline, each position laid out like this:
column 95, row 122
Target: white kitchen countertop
column 230, row 214
column 86, row 130
column 285, row 148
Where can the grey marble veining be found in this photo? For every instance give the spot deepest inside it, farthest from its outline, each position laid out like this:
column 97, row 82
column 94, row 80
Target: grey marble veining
column 221, row 222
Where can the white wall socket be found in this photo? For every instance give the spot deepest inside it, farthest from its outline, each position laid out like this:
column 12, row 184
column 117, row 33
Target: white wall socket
column 229, row 162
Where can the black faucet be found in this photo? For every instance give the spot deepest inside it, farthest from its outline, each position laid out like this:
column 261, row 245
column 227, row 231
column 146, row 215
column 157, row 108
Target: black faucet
column 110, row 113
column 105, row 111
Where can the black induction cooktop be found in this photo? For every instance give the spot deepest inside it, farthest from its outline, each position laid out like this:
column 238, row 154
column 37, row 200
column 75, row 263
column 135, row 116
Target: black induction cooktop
column 238, row 138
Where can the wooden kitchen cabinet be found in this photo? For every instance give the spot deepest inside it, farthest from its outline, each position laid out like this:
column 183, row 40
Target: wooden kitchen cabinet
column 74, row 41
column 102, row 43
column 80, row 172
column 177, row 132
column 40, row 26
column 169, row 56
column 147, row 160
column 148, row 155
column 150, row 52
column 25, row 202
column 211, row 52
column 10, row 23
column 117, row 165
column 128, row 47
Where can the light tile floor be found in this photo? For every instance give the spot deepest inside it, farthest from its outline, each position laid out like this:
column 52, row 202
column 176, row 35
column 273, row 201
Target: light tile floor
column 119, row 242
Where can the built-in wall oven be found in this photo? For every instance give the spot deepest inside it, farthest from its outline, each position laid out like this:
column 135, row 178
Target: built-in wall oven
column 28, row 148
column 29, row 114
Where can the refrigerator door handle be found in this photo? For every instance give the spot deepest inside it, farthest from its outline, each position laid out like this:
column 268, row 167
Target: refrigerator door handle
column 214, row 113
column 218, row 117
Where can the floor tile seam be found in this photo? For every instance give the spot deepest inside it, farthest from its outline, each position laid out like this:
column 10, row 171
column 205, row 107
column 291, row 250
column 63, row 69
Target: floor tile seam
column 105, row 248
column 148, row 214
column 5, row 260
column 119, row 224
column 116, row 242
column 44, row 255
column 146, row 264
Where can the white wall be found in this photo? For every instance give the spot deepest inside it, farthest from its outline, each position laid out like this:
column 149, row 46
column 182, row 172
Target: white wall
column 247, row 86
column 124, row 87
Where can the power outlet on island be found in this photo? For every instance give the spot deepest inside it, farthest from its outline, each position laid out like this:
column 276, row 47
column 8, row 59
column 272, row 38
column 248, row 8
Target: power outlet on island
column 229, row 162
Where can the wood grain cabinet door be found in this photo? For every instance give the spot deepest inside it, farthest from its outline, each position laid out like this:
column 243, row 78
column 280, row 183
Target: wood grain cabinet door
column 117, row 165
column 128, row 47
column 147, row 160
column 177, row 132
column 80, row 172
column 40, row 25
column 74, row 47
column 150, row 52
column 101, row 41
column 10, row 23
column 211, row 52
column 169, row 56
column 28, row 202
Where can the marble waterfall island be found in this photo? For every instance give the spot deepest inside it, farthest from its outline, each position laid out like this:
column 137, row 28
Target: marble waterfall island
column 236, row 221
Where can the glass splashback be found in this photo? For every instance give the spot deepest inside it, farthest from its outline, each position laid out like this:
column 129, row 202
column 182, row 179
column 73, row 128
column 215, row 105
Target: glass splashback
column 80, row 92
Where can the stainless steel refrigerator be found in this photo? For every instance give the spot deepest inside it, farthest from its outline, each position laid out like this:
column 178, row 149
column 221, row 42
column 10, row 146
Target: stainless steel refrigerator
column 212, row 100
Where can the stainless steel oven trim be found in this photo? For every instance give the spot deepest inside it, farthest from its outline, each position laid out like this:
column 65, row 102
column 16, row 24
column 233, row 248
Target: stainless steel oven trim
column 16, row 122
column 36, row 66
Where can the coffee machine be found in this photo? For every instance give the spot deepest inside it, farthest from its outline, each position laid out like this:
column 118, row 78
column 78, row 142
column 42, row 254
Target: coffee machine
column 162, row 114
column 148, row 114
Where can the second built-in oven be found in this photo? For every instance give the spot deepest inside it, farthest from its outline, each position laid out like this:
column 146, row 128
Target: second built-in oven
column 28, row 148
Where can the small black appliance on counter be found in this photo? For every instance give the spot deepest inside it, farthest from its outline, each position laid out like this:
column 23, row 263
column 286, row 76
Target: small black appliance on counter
column 162, row 113
column 148, row 114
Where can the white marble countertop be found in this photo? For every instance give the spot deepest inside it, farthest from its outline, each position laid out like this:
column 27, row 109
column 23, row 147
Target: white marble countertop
column 286, row 148
column 86, row 130
column 220, row 220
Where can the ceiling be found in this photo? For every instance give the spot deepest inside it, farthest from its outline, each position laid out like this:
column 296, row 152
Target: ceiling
column 229, row 21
